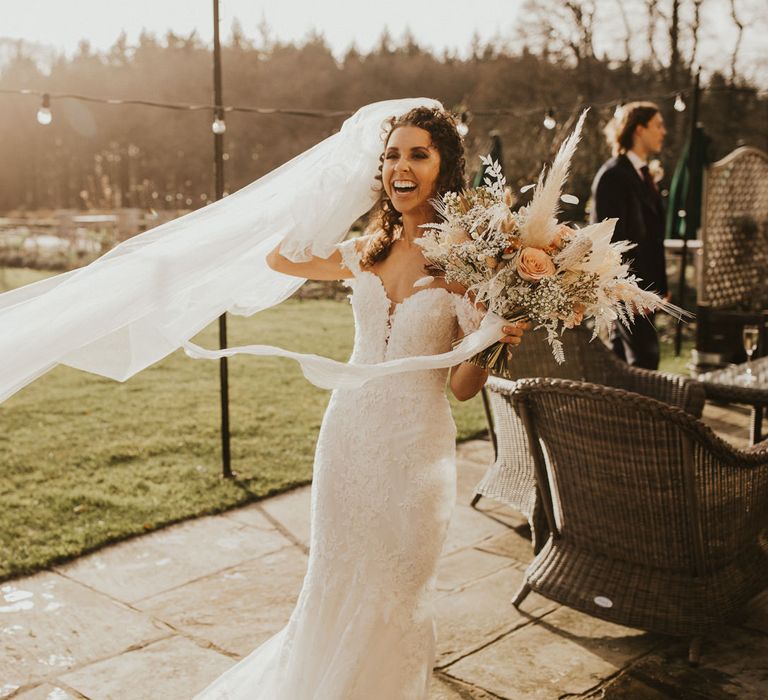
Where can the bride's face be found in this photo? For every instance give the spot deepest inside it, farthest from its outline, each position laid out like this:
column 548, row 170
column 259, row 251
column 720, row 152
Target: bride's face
column 410, row 170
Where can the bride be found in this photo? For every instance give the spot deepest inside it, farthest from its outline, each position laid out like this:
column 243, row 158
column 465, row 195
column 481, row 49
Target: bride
column 384, row 479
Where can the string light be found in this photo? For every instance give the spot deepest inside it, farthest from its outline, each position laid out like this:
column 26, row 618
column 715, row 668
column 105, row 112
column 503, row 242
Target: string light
column 619, row 109
column 679, row 103
column 44, row 115
column 324, row 114
column 549, row 120
column 219, row 126
column 463, row 126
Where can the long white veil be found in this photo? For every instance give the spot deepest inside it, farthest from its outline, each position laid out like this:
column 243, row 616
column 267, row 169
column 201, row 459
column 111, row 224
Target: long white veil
column 150, row 294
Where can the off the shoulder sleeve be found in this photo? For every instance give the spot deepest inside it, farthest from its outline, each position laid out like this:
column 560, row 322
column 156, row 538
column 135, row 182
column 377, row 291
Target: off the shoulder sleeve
column 350, row 255
column 467, row 314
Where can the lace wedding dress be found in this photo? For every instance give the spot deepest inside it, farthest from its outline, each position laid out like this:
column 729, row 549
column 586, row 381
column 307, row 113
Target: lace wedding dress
column 383, row 490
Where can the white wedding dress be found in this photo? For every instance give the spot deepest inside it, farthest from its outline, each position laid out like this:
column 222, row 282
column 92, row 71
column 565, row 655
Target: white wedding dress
column 383, row 490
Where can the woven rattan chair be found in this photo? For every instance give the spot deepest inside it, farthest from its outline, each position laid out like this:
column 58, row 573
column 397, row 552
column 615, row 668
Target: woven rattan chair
column 658, row 524
column 510, row 478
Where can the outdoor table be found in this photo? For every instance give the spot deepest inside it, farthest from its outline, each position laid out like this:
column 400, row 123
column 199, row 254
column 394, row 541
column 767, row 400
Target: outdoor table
column 730, row 386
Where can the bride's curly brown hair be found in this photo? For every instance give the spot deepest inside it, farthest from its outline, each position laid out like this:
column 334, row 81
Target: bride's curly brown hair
column 387, row 221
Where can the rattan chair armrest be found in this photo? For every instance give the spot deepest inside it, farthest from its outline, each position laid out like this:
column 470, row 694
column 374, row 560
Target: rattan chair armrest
column 761, row 448
column 673, row 389
column 502, row 386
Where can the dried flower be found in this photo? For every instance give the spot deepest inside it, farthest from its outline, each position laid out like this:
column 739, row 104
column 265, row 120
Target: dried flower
column 533, row 264
column 524, row 264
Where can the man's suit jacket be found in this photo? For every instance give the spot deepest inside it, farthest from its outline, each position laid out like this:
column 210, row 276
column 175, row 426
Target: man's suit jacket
column 618, row 191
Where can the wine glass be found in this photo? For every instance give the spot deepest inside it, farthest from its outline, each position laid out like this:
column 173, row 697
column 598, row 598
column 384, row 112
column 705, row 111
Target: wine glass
column 750, row 336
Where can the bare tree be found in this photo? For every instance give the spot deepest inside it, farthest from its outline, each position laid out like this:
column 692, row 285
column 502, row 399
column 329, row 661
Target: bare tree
column 739, row 36
column 651, row 10
column 695, row 27
column 628, row 61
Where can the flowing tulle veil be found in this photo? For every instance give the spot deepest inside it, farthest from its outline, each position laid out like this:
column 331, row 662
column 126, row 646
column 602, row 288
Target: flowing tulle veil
column 150, row 294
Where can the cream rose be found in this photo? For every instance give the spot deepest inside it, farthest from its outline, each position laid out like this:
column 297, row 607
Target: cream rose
column 533, row 264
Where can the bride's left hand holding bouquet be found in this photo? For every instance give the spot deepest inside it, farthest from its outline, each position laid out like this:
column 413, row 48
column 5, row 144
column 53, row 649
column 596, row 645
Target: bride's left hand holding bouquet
column 524, row 264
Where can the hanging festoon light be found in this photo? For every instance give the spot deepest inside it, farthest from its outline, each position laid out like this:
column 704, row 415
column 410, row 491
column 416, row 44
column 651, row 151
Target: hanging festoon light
column 549, row 119
column 679, row 103
column 463, row 126
column 619, row 109
column 44, row 115
column 219, row 126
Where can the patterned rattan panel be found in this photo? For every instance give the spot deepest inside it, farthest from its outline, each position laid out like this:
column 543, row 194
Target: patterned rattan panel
column 734, row 274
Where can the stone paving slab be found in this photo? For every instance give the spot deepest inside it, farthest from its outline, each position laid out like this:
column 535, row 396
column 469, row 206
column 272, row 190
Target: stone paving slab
column 154, row 608
column 470, row 471
column 238, row 608
column 480, row 612
column 50, row 692
column 510, row 544
column 252, row 514
column 564, row 653
column 144, row 566
column 734, row 665
column 291, row 511
column 464, row 566
column 170, row 669
column 51, row 624
column 444, row 688
column 469, row 527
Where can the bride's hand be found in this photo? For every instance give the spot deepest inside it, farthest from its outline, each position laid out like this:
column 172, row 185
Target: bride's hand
column 514, row 332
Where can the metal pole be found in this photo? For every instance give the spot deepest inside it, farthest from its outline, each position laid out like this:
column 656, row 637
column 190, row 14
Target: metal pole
column 218, row 150
column 689, row 195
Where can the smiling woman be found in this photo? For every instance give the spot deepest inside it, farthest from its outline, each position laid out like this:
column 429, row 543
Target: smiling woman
column 384, row 481
column 424, row 148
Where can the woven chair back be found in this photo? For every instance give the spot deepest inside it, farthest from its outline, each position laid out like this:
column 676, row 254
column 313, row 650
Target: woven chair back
column 583, row 359
column 735, row 232
column 630, row 475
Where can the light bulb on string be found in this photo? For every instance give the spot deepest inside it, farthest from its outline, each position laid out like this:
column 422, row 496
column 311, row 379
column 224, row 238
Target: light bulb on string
column 44, row 115
column 549, row 120
column 219, row 126
column 679, row 103
column 618, row 111
column 463, row 126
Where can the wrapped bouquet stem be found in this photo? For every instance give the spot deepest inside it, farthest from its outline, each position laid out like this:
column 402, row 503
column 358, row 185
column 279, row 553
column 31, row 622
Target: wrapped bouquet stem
column 524, row 264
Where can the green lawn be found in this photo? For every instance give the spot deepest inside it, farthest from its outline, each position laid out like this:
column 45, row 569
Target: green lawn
column 86, row 460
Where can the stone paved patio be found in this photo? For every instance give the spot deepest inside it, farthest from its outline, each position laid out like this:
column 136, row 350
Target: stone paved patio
column 161, row 615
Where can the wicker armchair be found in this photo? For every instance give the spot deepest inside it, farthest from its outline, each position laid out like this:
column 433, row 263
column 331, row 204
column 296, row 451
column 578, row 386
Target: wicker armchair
column 510, row 478
column 658, row 523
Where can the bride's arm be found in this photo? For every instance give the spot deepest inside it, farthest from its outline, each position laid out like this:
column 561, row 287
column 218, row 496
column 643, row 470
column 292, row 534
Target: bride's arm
column 330, row 268
column 467, row 379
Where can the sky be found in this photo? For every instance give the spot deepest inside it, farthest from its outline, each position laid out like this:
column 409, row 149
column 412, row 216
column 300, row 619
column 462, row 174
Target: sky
column 435, row 24
column 447, row 23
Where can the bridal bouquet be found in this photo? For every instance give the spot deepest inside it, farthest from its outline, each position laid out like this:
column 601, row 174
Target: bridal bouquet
column 525, row 265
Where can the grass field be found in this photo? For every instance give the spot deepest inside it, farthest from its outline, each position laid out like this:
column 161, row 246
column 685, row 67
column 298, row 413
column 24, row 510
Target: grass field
column 85, row 461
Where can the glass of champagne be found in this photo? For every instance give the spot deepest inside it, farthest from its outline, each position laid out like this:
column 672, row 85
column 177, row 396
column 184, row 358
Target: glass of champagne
column 750, row 336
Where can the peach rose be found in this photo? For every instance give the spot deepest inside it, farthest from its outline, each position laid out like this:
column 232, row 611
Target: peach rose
column 533, row 264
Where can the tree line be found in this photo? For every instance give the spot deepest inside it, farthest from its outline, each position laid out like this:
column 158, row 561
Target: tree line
column 106, row 156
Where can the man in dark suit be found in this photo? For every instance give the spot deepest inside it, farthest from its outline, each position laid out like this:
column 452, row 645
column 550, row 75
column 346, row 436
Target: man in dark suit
column 623, row 188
